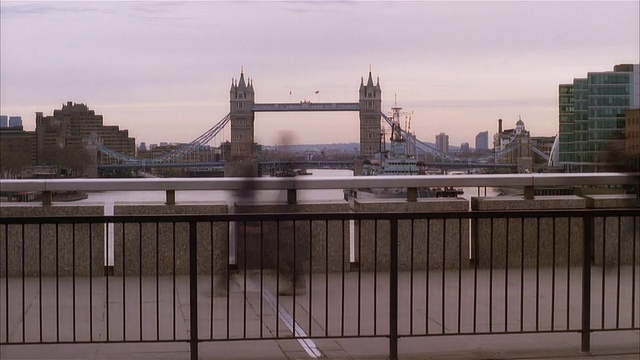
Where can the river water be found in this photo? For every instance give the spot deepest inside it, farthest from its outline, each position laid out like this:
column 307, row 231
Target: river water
column 111, row 197
column 261, row 196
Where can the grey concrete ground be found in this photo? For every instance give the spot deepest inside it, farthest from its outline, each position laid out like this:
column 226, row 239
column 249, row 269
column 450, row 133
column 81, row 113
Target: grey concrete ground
column 362, row 310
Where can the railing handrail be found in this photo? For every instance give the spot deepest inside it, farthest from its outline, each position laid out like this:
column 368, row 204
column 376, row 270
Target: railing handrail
column 318, row 182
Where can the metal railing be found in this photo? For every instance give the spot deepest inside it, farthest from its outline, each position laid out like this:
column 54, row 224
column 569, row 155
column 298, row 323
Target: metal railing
column 415, row 274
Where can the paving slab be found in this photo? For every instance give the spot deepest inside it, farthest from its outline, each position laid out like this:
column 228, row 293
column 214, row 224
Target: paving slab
column 357, row 305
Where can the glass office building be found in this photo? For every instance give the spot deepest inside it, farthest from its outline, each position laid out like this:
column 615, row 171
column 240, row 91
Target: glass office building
column 592, row 116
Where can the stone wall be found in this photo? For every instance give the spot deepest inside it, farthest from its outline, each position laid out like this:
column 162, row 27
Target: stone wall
column 314, row 236
column 435, row 244
column 614, row 237
column 172, row 252
column 497, row 242
column 527, row 241
column 79, row 248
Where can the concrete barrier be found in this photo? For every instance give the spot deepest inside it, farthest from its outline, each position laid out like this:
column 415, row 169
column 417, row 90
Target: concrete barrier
column 444, row 244
column 527, row 240
column 169, row 244
column 614, row 237
column 317, row 234
column 50, row 250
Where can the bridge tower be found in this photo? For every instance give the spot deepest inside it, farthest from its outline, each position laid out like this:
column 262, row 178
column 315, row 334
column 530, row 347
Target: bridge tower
column 370, row 117
column 241, row 100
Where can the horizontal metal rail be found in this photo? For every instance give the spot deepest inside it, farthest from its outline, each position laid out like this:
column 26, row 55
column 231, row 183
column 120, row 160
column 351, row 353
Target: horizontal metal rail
column 319, row 182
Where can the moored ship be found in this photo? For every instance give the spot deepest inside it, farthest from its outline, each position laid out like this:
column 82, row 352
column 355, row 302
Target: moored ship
column 397, row 161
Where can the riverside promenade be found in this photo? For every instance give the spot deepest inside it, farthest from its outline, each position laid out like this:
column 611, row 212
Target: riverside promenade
column 252, row 312
column 525, row 277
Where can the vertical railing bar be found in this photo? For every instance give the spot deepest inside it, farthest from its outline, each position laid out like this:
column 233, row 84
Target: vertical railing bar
column 393, row 290
column 173, row 274
column 618, row 277
column 106, row 280
column 444, row 252
column 124, row 286
column 522, row 274
column 411, row 280
column 553, row 274
column 476, row 260
column 295, row 274
column 57, row 285
column 459, row 273
column 6, row 283
column 228, row 274
column 342, row 274
column 506, row 276
column 426, row 285
column 262, row 278
column 73, row 277
column 569, row 273
column 193, row 289
column 277, row 279
column 326, row 279
column 491, row 274
column 634, row 240
column 310, row 278
column 375, row 277
column 24, row 323
column 604, row 249
column 157, row 281
column 90, row 282
column 39, row 278
column 359, row 275
column 538, row 274
column 140, row 276
column 586, row 284
column 244, row 281
column 213, row 294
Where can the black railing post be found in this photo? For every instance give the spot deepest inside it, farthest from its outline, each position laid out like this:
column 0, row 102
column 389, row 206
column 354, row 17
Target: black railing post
column 193, row 288
column 393, row 290
column 586, row 283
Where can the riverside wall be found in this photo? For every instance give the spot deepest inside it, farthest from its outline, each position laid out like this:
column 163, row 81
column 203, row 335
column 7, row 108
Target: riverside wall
column 149, row 249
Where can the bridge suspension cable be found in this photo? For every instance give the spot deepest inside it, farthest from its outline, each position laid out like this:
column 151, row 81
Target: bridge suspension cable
column 184, row 150
column 419, row 144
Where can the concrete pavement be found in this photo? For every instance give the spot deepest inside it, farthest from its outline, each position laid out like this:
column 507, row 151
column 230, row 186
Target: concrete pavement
column 252, row 313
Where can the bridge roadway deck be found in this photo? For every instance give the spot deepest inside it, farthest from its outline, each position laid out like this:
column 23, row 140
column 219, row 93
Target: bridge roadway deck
column 605, row 345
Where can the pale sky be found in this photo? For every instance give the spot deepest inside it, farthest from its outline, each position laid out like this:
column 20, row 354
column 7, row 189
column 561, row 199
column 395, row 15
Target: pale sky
column 163, row 70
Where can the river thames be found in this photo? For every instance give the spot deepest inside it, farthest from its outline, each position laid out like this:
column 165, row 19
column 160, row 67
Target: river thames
column 261, row 196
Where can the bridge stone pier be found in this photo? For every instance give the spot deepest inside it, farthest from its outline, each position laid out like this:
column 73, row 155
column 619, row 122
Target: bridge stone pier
column 242, row 109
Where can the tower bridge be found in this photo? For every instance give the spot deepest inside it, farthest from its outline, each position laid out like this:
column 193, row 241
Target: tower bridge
column 241, row 118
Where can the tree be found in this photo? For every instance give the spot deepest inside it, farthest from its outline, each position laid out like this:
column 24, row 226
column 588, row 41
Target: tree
column 12, row 163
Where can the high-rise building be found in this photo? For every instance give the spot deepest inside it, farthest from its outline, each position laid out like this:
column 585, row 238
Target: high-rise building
column 442, row 142
column 482, row 141
column 3, row 120
column 632, row 133
column 464, row 147
column 592, row 116
column 15, row 121
column 72, row 127
column 17, row 150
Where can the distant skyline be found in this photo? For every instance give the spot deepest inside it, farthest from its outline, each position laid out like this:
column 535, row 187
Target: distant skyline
column 163, row 69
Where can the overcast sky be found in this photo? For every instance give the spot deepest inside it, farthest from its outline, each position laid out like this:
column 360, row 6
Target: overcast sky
column 163, row 69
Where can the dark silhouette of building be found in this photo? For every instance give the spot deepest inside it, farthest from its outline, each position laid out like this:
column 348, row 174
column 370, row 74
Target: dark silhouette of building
column 69, row 130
